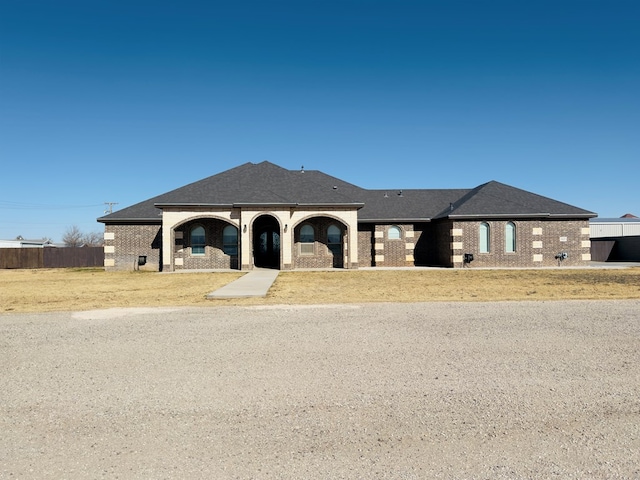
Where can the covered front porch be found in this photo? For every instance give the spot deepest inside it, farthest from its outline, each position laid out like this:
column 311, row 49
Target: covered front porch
column 247, row 238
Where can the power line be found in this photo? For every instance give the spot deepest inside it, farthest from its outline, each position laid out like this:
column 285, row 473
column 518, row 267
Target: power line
column 8, row 205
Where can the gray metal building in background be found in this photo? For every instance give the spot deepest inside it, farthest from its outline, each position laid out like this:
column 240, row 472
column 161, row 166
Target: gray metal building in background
column 615, row 239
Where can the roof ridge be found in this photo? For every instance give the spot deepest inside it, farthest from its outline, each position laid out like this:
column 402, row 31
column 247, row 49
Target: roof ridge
column 461, row 201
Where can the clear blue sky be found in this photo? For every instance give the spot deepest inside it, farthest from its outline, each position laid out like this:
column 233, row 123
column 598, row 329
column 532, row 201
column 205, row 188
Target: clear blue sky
column 118, row 101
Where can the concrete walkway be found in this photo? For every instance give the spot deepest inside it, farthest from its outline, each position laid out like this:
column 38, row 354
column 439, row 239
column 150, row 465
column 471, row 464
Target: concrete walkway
column 256, row 283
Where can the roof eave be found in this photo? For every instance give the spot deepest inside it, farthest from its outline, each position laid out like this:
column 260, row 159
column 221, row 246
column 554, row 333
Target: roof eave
column 497, row 215
column 394, row 219
column 259, row 204
column 130, row 220
column 216, row 205
column 578, row 215
column 348, row 205
column 521, row 215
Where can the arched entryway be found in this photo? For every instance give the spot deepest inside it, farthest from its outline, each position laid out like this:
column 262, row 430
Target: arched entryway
column 319, row 242
column 266, row 242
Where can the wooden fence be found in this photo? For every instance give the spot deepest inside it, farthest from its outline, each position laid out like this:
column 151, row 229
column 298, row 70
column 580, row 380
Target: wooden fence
column 52, row 257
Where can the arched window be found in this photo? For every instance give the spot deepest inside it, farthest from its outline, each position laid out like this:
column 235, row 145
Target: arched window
column 510, row 237
column 197, row 240
column 230, row 240
column 307, row 239
column 485, row 238
column 394, row 233
column 334, row 239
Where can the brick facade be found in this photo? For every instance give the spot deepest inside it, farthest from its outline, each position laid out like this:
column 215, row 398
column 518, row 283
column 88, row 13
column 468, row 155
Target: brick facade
column 124, row 244
column 366, row 244
column 213, row 257
column 441, row 244
column 537, row 243
column 376, row 248
column 322, row 256
column 444, row 243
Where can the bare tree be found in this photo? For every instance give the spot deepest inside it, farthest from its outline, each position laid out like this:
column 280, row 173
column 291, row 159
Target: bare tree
column 93, row 239
column 72, row 237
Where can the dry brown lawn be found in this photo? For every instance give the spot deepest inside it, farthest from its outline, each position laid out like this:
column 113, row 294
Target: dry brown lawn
column 86, row 289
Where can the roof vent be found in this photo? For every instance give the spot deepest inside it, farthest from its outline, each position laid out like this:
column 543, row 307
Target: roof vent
column 386, row 195
column 335, row 187
column 302, row 169
column 451, row 207
column 400, row 193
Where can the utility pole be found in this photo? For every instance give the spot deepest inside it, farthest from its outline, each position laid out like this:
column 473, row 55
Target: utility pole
column 110, row 207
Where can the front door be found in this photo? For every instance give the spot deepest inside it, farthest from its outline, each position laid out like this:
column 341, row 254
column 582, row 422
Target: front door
column 267, row 248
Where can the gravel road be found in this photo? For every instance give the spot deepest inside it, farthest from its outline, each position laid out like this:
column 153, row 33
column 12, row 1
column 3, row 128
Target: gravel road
column 402, row 391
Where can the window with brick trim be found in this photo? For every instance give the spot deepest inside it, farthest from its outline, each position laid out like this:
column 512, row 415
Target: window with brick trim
column 307, row 239
column 394, row 233
column 485, row 238
column 230, row 240
column 510, row 237
column 197, row 240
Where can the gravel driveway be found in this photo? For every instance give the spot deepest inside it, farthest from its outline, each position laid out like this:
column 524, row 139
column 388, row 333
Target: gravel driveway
column 402, row 391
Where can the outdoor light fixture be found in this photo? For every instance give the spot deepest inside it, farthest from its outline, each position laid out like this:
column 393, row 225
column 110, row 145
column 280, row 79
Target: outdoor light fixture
column 285, row 227
column 245, row 228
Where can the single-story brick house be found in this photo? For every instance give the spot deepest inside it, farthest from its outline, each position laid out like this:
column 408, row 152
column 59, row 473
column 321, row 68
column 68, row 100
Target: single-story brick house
column 263, row 215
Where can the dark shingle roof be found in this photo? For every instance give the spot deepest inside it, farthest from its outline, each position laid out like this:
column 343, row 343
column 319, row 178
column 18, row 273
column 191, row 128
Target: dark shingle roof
column 495, row 199
column 389, row 205
column 253, row 184
column 268, row 184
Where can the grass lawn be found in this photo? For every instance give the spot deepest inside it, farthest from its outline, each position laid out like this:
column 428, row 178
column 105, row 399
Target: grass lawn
column 85, row 289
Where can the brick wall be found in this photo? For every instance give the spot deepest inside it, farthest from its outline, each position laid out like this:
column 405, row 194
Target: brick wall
column 123, row 245
column 393, row 252
column 424, row 244
column 435, row 244
column 322, row 256
column 537, row 243
column 440, row 243
column 214, row 256
column 365, row 244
